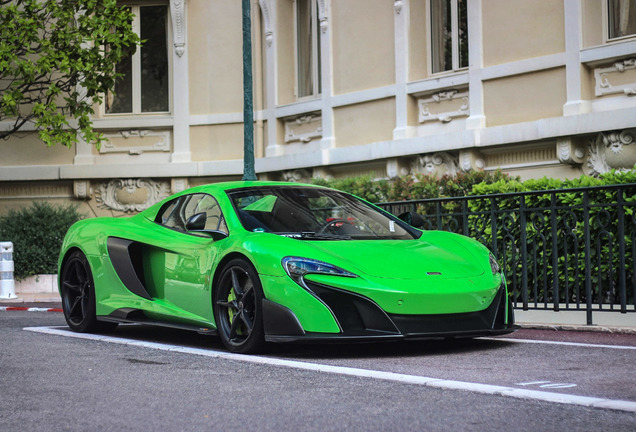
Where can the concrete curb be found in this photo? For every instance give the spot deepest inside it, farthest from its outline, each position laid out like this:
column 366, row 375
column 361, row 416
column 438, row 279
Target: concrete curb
column 29, row 309
column 579, row 328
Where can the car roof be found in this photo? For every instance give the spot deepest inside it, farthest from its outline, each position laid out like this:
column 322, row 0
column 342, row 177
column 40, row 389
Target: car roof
column 226, row 186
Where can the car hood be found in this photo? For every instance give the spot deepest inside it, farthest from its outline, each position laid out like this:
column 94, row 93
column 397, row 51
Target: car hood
column 405, row 259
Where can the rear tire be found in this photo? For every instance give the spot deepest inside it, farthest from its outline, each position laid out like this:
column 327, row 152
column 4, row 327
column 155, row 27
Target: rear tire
column 238, row 310
column 78, row 296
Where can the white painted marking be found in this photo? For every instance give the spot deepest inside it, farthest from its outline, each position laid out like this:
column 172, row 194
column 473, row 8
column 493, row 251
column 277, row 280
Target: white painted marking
column 557, row 385
column 586, row 401
column 532, row 383
column 546, row 384
column 577, row 344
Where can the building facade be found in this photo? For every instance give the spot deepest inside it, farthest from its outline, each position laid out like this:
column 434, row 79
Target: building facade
column 349, row 87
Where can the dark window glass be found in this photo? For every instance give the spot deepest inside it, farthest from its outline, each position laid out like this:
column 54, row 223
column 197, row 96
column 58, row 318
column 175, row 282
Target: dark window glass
column 622, row 18
column 154, row 59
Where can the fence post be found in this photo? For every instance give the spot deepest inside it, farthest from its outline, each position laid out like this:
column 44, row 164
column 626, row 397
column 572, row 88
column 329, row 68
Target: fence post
column 7, row 284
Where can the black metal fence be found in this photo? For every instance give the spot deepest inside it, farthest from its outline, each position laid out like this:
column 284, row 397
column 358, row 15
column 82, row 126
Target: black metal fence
column 568, row 249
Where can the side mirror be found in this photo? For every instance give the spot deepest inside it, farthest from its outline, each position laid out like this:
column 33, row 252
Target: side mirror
column 412, row 218
column 196, row 224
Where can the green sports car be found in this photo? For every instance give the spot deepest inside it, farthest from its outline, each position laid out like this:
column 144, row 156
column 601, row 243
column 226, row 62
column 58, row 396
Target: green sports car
column 258, row 262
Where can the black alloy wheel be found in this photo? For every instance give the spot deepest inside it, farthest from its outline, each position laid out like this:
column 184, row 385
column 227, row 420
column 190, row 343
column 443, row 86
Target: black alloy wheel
column 78, row 296
column 238, row 309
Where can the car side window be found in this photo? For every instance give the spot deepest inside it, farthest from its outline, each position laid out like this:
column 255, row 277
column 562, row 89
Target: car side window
column 175, row 214
column 169, row 215
column 204, row 203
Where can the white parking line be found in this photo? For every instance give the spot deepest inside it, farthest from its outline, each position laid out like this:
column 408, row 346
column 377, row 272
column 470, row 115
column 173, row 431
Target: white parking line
column 577, row 344
column 586, row 401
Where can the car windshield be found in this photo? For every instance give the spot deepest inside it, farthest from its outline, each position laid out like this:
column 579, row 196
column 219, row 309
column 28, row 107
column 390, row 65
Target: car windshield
column 315, row 214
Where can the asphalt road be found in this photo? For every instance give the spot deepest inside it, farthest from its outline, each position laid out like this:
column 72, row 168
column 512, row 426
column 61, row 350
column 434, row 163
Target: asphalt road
column 57, row 382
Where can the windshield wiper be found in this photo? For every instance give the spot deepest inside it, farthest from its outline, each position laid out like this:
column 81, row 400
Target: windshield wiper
column 309, row 235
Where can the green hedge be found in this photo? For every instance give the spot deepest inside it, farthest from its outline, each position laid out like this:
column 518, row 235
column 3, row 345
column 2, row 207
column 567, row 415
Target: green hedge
column 414, row 187
column 567, row 217
column 37, row 233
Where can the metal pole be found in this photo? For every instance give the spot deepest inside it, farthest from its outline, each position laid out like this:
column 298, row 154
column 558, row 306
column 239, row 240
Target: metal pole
column 248, row 104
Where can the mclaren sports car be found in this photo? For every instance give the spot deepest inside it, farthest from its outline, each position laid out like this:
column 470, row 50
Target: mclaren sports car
column 262, row 262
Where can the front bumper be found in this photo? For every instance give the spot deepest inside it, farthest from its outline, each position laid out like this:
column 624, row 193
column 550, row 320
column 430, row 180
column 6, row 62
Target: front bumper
column 360, row 319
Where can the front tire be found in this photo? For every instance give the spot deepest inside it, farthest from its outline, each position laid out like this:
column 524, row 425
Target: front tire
column 78, row 296
column 237, row 303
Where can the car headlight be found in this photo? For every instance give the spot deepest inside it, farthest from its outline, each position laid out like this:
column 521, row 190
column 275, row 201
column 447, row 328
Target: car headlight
column 494, row 265
column 297, row 268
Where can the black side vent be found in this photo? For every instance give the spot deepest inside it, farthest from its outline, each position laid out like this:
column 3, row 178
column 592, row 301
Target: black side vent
column 126, row 257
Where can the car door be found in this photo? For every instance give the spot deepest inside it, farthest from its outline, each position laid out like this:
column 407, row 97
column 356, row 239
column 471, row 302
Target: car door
column 181, row 261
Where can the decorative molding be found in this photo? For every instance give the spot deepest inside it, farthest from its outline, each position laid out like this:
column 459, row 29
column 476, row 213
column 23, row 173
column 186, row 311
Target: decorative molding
column 296, row 176
column 612, row 150
column 396, row 167
column 533, row 155
column 179, row 185
column 398, row 5
column 569, row 151
column 266, row 11
column 303, row 129
column 426, row 104
column 323, row 15
column 471, row 160
column 82, row 189
column 160, row 143
column 436, row 164
column 130, row 195
column 177, row 14
column 35, row 190
column 603, row 76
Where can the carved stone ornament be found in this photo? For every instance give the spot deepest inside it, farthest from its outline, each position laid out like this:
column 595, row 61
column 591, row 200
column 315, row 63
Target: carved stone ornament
column 303, row 129
column 266, row 11
column 437, row 164
column 299, row 175
column 612, row 150
column 140, row 141
column 471, row 160
column 82, row 189
column 428, row 113
column 569, row 151
column 130, row 195
column 604, row 76
column 177, row 13
column 398, row 5
column 322, row 15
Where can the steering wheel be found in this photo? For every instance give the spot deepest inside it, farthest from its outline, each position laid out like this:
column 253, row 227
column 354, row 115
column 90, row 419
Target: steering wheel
column 331, row 222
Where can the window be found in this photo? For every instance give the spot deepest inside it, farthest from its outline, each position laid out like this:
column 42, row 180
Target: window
column 175, row 214
column 307, row 49
column 144, row 87
column 621, row 18
column 449, row 35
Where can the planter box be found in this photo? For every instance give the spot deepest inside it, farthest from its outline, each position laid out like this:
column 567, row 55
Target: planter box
column 38, row 284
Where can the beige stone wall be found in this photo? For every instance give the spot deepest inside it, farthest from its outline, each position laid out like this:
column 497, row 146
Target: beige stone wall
column 27, row 149
column 363, row 45
column 524, row 98
column 285, row 52
column 418, row 36
column 591, row 24
column 365, row 123
column 520, row 29
column 219, row 142
column 215, row 56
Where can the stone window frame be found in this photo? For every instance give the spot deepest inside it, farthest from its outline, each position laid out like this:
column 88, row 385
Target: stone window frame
column 315, row 66
column 136, row 66
column 455, row 37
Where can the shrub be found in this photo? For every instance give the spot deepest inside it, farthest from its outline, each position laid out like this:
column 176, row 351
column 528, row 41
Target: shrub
column 37, row 233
